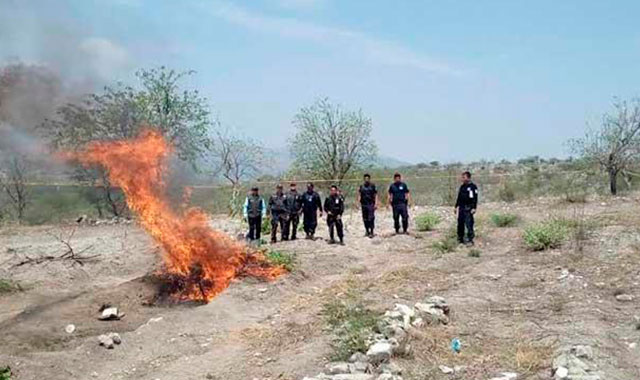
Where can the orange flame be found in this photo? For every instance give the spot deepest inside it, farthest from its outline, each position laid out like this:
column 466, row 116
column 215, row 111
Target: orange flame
column 206, row 260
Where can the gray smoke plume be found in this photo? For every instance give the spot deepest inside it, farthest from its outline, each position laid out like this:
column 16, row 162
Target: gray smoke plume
column 46, row 61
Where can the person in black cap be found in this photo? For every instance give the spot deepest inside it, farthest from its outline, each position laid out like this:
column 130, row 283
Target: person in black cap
column 293, row 203
column 368, row 199
column 466, row 205
column 399, row 198
column 253, row 211
column 278, row 212
column 334, row 207
column 311, row 203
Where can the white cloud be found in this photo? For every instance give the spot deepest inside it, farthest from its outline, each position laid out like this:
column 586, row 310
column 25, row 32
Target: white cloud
column 376, row 50
column 105, row 56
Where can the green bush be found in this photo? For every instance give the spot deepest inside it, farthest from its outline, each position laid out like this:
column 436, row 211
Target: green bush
column 427, row 221
column 286, row 260
column 352, row 324
column 448, row 243
column 504, row 219
column 548, row 234
column 5, row 373
column 266, row 226
column 7, row 286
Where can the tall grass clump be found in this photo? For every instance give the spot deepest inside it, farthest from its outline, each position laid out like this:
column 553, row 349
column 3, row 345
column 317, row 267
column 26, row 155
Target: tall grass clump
column 504, row 219
column 547, row 234
column 427, row 221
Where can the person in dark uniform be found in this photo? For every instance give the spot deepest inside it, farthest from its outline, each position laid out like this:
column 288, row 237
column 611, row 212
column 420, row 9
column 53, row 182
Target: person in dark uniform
column 466, row 205
column 399, row 199
column 278, row 212
column 254, row 210
column 293, row 203
column 334, row 207
column 368, row 199
column 311, row 203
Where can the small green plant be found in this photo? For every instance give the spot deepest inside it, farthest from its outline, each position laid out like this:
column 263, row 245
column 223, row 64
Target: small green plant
column 548, row 234
column 504, row 219
column 266, row 226
column 5, row 373
column 7, row 286
column 474, row 252
column 448, row 243
column 427, row 221
column 352, row 324
column 286, row 260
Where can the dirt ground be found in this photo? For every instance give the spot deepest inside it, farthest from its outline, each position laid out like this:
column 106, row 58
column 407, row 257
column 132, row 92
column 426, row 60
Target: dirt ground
column 511, row 308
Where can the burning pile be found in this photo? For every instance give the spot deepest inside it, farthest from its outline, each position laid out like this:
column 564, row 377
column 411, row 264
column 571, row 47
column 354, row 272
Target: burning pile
column 200, row 261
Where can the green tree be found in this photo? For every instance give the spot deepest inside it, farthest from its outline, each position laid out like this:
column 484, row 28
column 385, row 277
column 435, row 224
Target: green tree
column 121, row 112
column 330, row 141
column 616, row 144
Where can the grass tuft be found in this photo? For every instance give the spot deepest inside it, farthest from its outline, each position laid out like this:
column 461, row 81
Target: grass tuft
column 504, row 219
column 284, row 259
column 427, row 221
column 548, row 234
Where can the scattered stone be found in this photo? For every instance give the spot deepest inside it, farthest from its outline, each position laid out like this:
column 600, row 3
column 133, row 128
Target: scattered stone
column 338, row 368
column 70, row 329
column 106, row 341
column 506, row 376
column 561, row 373
column 582, row 351
column 446, row 370
column 388, row 376
column 110, row 314
column 624, row 297
column 358, row 357
column 418, row 322
column 633, row 345
column 391, row 368
column 109, row 340
column 380, row 352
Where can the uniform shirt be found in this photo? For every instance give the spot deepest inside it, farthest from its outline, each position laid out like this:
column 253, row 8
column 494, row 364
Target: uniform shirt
column 468, row 195
column 334, row 204
column 368, row 194
column 293, row 202
column 254, row 207
column 311, row 202
column 398, row 192
column 277, row 203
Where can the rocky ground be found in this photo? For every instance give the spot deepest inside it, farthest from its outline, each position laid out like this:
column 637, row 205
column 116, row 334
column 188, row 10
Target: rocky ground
column 568, row 313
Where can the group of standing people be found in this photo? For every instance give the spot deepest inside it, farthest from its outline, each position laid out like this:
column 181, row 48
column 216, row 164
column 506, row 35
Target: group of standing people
column 286, row 208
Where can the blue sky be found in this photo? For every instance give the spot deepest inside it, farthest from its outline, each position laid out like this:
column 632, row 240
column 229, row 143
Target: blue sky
column 442, row 80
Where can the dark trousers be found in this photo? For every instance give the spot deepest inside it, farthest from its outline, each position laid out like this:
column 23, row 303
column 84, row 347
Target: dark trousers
column 278, row 219
column 465, row 219
column 369, row 217
column 335, row 222
column 255, row 227
column 310, row 222
column 291, row 225
column 400, row 210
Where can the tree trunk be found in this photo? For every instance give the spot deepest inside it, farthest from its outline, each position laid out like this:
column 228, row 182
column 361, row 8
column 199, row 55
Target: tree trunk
column 613, row 179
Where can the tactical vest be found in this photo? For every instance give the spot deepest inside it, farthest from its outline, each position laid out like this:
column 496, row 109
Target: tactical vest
column 254, row 207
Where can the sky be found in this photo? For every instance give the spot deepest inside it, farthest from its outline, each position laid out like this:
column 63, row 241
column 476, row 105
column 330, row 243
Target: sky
column 441, row 80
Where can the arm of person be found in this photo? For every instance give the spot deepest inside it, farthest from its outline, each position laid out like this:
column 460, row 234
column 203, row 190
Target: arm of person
column 409, row 199
column 474, row 203
column 245, row 209
column 269, row 206
column 319, row 203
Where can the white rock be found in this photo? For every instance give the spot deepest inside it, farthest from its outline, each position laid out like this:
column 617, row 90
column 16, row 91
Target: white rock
column 561, row 373
column 115, row 337
column 583, row 351
column 70, row 329
column 105, row 341
column 110, row 313
column 624, row 297
column 633, row 345
column 358, row 357
column 506, row 376
column 380, row 352
column 445, row 369
column 337, row 368
column 418, row 322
